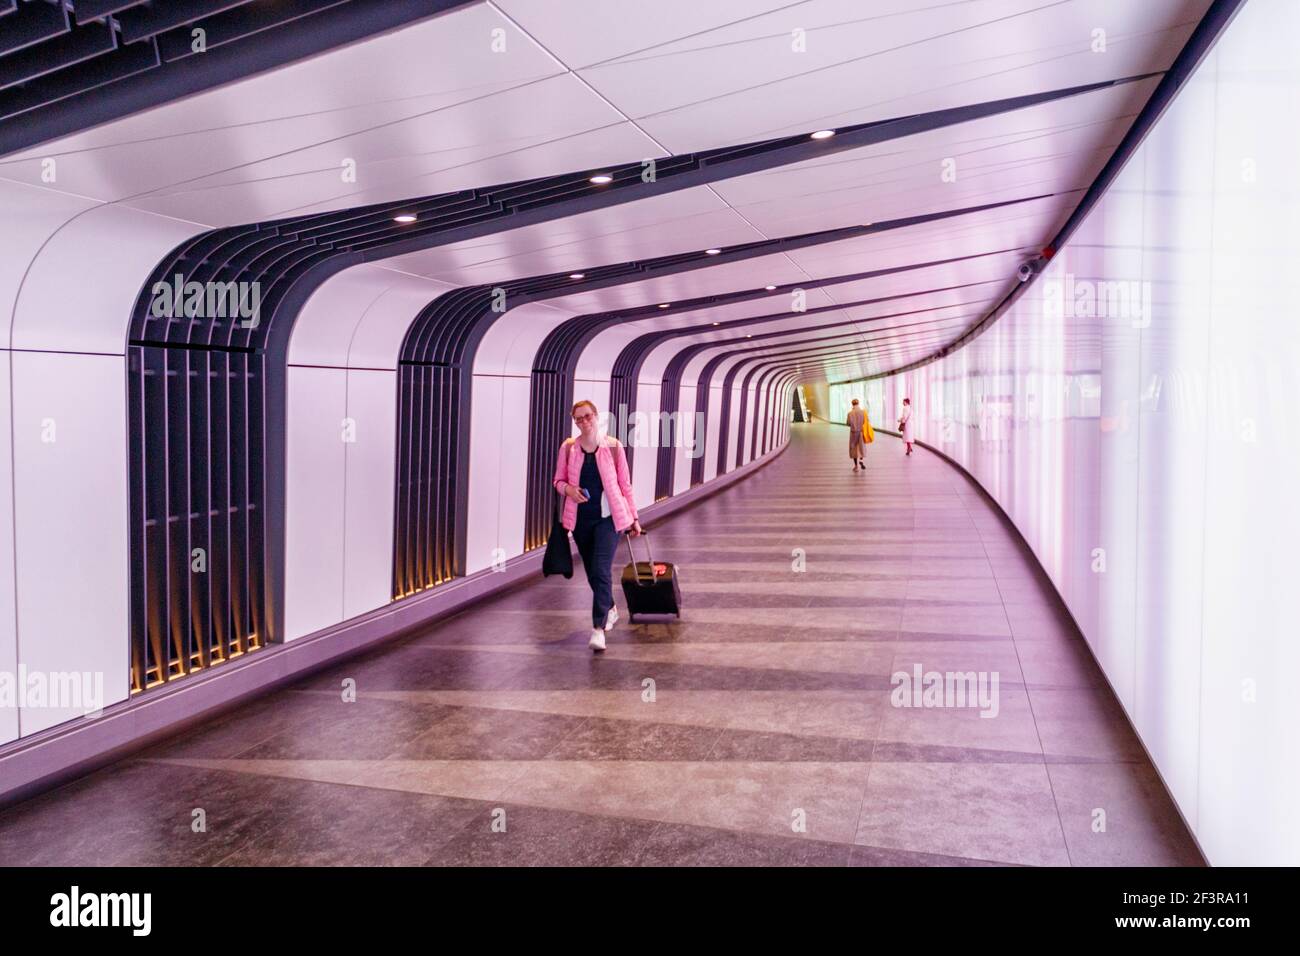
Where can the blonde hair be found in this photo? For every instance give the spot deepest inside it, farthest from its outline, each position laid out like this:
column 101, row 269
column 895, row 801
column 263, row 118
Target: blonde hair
column 591, row 405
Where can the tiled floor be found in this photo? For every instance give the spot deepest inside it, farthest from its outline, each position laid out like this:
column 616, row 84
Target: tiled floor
column 758, row 730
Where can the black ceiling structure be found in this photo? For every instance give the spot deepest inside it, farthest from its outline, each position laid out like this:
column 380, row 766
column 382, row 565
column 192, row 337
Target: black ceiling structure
column 67, row 65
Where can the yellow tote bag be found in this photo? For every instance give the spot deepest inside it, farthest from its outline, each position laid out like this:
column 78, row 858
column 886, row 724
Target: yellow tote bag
column 868, row 433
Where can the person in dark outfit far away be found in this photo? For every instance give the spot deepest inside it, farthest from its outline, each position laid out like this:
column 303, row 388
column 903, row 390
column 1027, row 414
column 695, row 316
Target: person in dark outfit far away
column 591, row 472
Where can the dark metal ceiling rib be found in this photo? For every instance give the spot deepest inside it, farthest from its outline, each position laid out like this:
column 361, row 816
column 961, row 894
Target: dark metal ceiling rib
column 120, row 64
column 86, row 10
column 142, row 21
column 75, row 64
column 27, row 24
column 61, row 53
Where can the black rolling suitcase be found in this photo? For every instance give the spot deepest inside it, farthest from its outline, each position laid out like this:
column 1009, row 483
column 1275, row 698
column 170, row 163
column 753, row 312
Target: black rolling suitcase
column 650, row 588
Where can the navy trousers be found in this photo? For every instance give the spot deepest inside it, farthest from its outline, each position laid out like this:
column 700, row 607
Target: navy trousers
column 597, row 541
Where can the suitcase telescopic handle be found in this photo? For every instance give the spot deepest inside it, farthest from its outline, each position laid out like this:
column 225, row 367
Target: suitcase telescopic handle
column 636, row 571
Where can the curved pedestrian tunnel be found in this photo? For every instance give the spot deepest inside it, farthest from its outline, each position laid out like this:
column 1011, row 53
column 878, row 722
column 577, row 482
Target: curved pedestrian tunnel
column 765, row 727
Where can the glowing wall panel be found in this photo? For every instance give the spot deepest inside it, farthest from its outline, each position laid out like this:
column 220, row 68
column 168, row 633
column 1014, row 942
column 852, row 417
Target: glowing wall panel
column 1130, row 414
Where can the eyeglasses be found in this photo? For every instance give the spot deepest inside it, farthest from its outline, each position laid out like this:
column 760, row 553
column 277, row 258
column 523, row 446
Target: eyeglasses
column 579, row 419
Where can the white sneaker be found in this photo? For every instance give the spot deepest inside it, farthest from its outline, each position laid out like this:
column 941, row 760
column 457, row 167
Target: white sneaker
column 611, row 618
column 597, row 642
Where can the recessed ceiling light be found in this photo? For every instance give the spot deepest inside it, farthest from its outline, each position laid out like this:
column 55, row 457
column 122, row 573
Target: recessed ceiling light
column 711, row 252
column 404, row 217
column 715, row 323
column 750, row 336
column 769, row 288
column 663, row 305
column 601, row 179
column 823, row 134
column 577, row 275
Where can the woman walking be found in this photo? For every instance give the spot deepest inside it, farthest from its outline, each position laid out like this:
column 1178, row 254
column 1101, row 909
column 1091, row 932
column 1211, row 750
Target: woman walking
column 591, row 472
column 905, row 424
column 857, row 426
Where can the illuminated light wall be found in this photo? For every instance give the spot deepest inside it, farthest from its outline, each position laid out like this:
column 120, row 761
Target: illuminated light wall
column 870, row 394
column 1132, row 414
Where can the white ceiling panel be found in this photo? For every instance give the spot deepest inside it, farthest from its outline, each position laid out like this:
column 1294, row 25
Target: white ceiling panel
column 647, row 228
column 863, row 70
column 582, row 35
column 846, row 37
column 1052, row 147
column 546, row 128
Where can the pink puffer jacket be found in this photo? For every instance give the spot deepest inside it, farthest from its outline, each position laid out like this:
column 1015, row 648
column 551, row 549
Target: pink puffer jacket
column 611, row 462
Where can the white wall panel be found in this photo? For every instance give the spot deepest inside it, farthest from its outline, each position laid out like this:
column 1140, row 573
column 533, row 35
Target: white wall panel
column 340, row 494
column 513, row 436
column 314, row 499
column 483, row 521
column 31, row 216
column 510, row 344
column 369, row 486
column 70, row 497
column 733, row 424
column 713, row 430
column 692, row 444
column 327, row 324
column 377, row 342
column 646, row 440
column 8, row 630
column 114, row 250
column 750, row 400
column 498, row 473
column 359, row 317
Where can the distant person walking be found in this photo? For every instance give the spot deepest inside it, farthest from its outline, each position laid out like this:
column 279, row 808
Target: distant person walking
column 860, row 434
column 591, row 472
column 905, row 424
